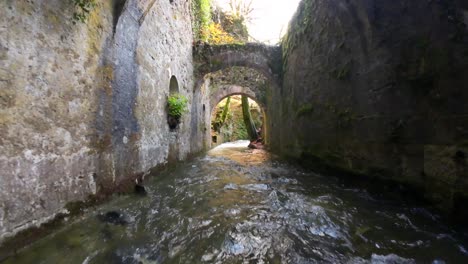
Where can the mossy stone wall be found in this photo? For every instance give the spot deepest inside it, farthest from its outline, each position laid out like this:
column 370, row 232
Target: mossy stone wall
column 379, row 88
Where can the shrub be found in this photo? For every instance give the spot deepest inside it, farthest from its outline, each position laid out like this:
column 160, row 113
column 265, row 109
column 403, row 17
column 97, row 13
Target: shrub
column 215, row 34
column 177, row 105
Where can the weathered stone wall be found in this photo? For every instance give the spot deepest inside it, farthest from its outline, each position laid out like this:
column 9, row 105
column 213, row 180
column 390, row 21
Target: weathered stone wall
column 50, row 72
column 83, row 107
column 164, row 49
column 379, row 88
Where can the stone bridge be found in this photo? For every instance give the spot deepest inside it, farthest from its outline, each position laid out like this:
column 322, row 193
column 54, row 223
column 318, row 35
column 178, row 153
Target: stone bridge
column 263, row 58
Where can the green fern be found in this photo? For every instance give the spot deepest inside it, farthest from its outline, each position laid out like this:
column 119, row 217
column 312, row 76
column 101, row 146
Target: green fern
column 177, row 105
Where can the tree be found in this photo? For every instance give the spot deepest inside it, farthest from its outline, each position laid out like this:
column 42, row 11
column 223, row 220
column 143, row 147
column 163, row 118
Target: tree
column 241, row 9
column 225, row 110
column 251, row 130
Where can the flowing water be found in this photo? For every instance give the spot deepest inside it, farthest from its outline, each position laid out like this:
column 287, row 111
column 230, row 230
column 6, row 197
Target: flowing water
column 236, row 205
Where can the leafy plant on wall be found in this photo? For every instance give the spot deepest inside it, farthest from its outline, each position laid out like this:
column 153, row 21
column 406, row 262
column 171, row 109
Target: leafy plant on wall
column 177, row 106
column 82, row 9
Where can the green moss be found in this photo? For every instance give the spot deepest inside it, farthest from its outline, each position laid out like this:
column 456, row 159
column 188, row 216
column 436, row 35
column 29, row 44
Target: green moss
column 304, row 110
column 345, row 117
column 215, row 63
column 341, row 73
column 299, row 25
column 82, row 10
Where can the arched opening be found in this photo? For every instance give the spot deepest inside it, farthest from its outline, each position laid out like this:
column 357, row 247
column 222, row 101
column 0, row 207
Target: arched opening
column 229, row 121
column 235, row 80
column 173, row 85
column 176, row 104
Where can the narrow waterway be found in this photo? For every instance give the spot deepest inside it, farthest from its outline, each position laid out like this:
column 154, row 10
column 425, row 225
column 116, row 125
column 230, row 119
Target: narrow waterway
column 236, row 205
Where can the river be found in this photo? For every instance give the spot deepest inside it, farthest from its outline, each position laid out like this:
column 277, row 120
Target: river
column 237, row 205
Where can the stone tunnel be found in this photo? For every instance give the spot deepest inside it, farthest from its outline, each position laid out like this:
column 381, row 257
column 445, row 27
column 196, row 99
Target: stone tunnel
column 373, row 88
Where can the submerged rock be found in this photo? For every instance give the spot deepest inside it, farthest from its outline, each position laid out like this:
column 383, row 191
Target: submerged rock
column 231, row 186
column 256, row 187
column 113, row 217
column 140, row 189
column 256, row 144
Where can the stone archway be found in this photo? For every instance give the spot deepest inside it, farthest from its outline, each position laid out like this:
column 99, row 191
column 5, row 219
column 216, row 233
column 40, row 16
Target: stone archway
column 234, row 92
column 263, row 58
column 235, row 80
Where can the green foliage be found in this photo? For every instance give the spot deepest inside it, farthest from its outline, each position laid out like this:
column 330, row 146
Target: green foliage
column 234, row 26
column 240, row 131
column 227, row 29
column 202, row 16
column 233, row 127
column 177, row 105
column 221, row 116
column 82, row 9
column 226, row 110
column 250, row 125
column 215, row 34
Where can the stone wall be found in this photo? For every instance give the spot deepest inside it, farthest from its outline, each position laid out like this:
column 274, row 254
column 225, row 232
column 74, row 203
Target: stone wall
column 379, row 88
column 83, row 106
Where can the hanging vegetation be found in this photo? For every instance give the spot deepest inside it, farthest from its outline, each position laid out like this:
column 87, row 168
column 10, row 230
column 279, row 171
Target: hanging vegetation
column 82, row 10
column 177, row 106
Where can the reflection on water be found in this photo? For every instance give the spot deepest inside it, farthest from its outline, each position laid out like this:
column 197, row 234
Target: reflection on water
column 236, row 205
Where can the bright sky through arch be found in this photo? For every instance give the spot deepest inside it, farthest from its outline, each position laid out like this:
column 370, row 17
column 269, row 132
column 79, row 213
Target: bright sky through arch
column 270, row 18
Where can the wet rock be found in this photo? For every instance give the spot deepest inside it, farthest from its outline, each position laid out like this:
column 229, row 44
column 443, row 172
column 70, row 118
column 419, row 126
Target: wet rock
column 231, row 186
column 256, row 187
column 256, row 145
column 232, row 212
column 208, row 257
column 140, row 189
column 113, row 217
column 390, row 259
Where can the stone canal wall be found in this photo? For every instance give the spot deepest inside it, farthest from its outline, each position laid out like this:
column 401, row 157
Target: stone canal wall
column 83, row 105
column 379, row 88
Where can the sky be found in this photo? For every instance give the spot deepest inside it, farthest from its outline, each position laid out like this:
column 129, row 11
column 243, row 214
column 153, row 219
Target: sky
column 270, row 18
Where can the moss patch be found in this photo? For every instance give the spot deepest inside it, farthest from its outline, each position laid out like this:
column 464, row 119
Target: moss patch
column 304, row 110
